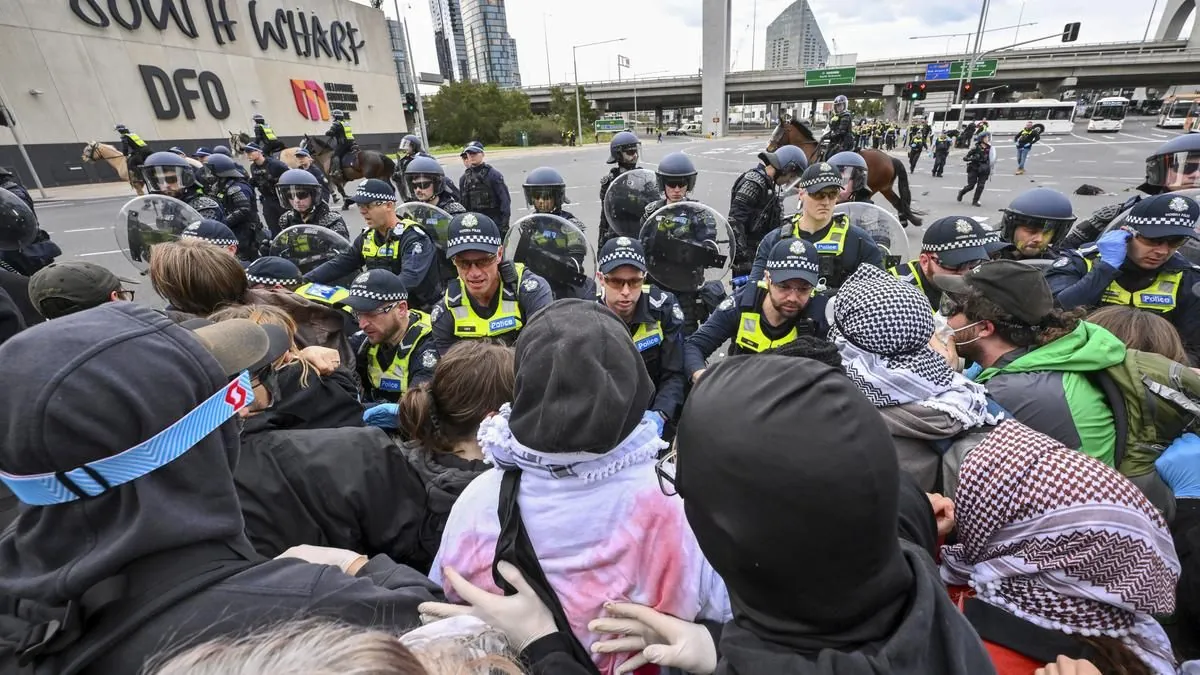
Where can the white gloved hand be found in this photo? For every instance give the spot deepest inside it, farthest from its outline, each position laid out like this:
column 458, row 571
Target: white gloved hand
column 661, row 638
column 522, row 617
column 349, row 562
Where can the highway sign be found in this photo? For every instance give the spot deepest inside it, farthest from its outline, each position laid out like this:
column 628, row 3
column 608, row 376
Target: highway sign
column 610, row 126
column 984, row 68
column 830, row 76
column 937, row 71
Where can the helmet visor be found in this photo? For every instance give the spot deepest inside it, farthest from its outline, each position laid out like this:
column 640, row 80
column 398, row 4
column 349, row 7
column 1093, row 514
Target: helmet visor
column 168, row 179
column 297, row 197
column 1054, row 228
column 1174, row 171
column 628, row 154
column 545, row 198
column 687, row 182
column 424, row 185
column 854, row 179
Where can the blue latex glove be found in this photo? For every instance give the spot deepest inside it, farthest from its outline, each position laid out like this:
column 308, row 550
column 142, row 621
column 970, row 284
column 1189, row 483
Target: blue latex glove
column 382, row 416
column 1112, row 246
column 973, row 372
column 738, row 282
column 1179, row 466
column 657, row 418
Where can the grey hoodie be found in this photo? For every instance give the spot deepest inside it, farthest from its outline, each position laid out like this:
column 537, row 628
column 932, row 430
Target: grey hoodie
column 914, row 428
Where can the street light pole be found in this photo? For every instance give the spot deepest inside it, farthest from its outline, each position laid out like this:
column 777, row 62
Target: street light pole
column 12, row 126
column 575, row 65
column 1150, row 21
column 546, row 42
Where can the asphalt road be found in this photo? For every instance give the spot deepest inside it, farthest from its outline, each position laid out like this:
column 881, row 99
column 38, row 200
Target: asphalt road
column 1112, row 161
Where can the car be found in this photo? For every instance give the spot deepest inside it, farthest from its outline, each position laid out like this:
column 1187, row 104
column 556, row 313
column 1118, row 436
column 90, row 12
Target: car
column 676, row 131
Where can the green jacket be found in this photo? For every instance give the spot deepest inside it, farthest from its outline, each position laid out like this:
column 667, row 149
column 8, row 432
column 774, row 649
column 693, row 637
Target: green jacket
column 1048, row 389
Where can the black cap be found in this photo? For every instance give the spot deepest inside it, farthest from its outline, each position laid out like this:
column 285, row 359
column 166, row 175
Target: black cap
column 620, row 251
column 472, row 232
column 794, row 259
column 374, row 190
column 472, row 147
column 79, row 283
column 1165, row 215
column 1015, row 287
column 212, row 231
column 817, row 177
column 241, row 344
column 373, row 289
column 273, row 270
column 956, row 240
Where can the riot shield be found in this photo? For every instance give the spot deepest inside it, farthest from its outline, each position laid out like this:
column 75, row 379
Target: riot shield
column 308, row 246
column 1190, row 250
column 430, row 218
column 557, row 250
column 148, row 220
column 687, row 244
column 627, row 198
column 883, row 227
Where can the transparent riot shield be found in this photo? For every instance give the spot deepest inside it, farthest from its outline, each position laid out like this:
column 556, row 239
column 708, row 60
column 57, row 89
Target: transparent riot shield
column 883, row 227
column 1190, row 250
column 687, row 244
column 627, row 198
column 557, row 250
column 430, row 218
column 148, row 220
column 308, row 246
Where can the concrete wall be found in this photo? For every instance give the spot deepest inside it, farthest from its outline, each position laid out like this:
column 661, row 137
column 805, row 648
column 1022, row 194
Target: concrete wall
column 715, row 64
column 91, row 77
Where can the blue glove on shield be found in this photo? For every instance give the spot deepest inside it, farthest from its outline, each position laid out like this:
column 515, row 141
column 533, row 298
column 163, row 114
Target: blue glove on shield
column 1179, row 466
column 382, row 416
column 654, row 416
column 1112, row 246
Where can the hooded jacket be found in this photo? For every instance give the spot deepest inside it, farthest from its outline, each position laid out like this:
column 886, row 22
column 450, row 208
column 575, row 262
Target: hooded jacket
column 327, row 402
column 129, row 373
column 915, row 430
column 1048, row 389
column 445, row 476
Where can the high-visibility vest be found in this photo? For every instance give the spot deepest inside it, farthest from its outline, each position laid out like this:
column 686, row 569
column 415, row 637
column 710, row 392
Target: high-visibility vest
column 395, row 378
column 1162, row 295
column 750, row 336
column 468, row 324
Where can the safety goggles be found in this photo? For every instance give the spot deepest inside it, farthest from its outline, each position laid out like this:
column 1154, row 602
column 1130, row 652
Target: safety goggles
column 293, row 193
column 676, row 183
column 665, row 470
column 378, row 311
column 421, row 184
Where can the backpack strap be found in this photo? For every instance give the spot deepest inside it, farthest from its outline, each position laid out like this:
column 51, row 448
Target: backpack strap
column 1120, row 412
column 1028, row 639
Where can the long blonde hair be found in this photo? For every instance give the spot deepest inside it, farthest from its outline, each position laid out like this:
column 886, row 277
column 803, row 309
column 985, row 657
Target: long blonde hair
column 196, row 277
column 273, row 316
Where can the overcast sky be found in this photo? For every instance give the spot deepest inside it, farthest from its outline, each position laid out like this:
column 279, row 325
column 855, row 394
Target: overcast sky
column 665, row 35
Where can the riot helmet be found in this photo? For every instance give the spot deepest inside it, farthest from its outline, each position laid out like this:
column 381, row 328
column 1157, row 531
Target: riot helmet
column 167, row 173
column 624, row 149
column 6, row 172
column 223, row 166
column 338, row 114
column 853, row 168
column 1041, row 209
column 840, row 104
column 259, row 119
column 18, row 225
column 676, row 169
column 221, row 150
column 547, row 186
column 121, row 129
column 295, row 186
column 788, row 161
column 424, row 172
column 1175, row 165
column 410, row 145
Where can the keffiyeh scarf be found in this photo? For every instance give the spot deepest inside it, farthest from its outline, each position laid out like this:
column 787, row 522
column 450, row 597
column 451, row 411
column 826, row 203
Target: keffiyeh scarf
column 1064, row 542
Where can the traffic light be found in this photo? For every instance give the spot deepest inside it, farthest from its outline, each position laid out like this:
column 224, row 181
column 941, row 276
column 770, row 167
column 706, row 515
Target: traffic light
column 966, row 89
column 921, row 91
column 410, row 103
column 1071, row 32
column 910, row 91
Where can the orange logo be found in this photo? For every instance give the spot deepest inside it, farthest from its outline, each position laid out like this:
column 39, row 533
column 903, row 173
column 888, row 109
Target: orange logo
column 310, row 100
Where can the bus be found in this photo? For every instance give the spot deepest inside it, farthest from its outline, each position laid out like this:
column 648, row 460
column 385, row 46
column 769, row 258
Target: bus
column 1192, row 123
column 1053, row 117
column 1175, row 111
column 1108, row 114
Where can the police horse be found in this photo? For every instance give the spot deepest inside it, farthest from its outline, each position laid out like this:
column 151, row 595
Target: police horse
column 358, row 164
column 239, row 139
column 96, row 151
column 882, row 168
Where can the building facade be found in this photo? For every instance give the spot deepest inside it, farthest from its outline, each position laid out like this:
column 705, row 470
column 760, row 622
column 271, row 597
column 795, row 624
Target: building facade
column 399, row 44
column 448, row 39
column 794, row 39
column 491, row 51
column 188, row 73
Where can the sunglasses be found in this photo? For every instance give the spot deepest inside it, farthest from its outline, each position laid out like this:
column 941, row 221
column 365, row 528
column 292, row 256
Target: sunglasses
column 375, row 312
column 1173, row 241
column 422, row 185
column 617, row 284
column 481, row 263
column 825, row 195
column 956, row 268
column 676, row 183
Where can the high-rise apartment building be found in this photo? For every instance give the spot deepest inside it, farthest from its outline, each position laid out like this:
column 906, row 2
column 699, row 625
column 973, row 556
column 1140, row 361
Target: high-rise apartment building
column 400, row 56
column 794, row 39
column 448, row 39
column 491, row 51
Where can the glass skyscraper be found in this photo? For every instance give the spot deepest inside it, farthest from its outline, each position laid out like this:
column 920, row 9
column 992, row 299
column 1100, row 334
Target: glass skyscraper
column 448, row 39
column 794, row 39
column 491, row 51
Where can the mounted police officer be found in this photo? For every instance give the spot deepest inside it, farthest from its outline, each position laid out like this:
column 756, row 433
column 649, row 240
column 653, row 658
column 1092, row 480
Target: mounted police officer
column 951, row 245
column 133, row 147
column 941, row 150
column 482, row 188
column 168, row 174
column 491, row 297
column 840, row 136
column 546, row 192
column 1175, row 165
column 394, row 349
column 426, row 182
column 265, row 173
column 237, row 200
column 305, row 160
column 755, row 206
column 1035, row 222
column 767, row 314
column 8, row 181
column 854, row 173
column 343, row 140
column 388, row 243
column 623, row 150
column 300, row 194
column 842, row 247
column 265, row 138
column 1139, row 265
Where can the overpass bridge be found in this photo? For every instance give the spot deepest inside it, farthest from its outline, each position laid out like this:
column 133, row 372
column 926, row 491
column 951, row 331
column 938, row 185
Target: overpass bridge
column 1107, row 65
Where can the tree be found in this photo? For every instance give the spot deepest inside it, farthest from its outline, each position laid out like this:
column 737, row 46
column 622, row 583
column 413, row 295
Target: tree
column 461, row 112
column 562, row 109
column 868, row 107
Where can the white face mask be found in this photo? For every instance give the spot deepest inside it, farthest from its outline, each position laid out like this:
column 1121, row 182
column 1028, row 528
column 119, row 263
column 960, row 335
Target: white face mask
column 956, row 331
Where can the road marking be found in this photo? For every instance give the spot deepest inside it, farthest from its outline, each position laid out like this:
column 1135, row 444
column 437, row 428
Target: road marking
column 1084, row 138
column 1086, row 161
column 1051, row 160
column 1160, row 135
column 84, row 229
column 84, row 255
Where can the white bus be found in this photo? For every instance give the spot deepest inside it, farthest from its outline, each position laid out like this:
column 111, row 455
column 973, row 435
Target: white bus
column 1053, row 117
column 1175, row 111
column 1108, row 114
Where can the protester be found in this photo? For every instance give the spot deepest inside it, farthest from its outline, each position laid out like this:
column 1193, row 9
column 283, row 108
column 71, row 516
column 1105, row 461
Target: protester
column 1141, row 330
column 62, row 288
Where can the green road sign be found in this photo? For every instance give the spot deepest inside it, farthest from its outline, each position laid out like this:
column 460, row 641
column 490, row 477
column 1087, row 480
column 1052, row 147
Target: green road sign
column 609, row 126
column 984, row 68
column 823, row 77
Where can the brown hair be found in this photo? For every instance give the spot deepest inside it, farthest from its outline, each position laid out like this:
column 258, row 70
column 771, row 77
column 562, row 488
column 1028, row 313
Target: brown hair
column 196, row 277
column 1058, row 323
column 470, row 382
column 1141, row 330
column 1113, row 657
column 274, row 316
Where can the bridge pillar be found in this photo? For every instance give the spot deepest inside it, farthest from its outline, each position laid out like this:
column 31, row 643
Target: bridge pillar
column 1049, row 88
column 658, row 121
column 714, row 64
column 891, row 108
column 1175, row 15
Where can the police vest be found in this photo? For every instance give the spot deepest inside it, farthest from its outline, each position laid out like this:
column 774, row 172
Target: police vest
column 332, row 296
column 468, row 324
column 136, row 140
column 395, row 378
column 346, row 132
column 375, row 256
column 750, row 336
column 829, row 247
column 477, row 190
column 648, row 335
column 910, row 273
column 267, row 133
column 1160, row 296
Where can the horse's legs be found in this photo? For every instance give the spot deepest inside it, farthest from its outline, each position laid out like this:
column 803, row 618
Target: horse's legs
column 897, row 203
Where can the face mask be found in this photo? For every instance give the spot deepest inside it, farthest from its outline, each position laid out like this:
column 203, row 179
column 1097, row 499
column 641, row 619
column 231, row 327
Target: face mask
column 956, row 331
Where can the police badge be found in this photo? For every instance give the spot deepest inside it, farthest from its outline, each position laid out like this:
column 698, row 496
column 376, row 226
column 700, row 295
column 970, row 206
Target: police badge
column 429, row 359
column 963, row 226
column 470, row 220
column 677, row 313
column 1178, row 205
column 530, row 285
column 797, row 248
column 362, row 278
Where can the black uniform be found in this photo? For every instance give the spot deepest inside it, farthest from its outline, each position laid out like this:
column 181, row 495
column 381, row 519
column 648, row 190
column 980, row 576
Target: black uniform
column 9, row 183
column 270, row 144
column 409, row 255
column 241, row 214
column 698, row 304
column 483, row 191
column 33, row 257
column 837, row 261
column 979, row 169
column 606, row 232
column 1085, row 231
column 326, row 188
column 841, row 133
column 754, row 210
column 657, row 331
column 265, row 177
column 568, row 245
column 206, row 206
column 320, row 214
column 941, row 150
column 916, row 145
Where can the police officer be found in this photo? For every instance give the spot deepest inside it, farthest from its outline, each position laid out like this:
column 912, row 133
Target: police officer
column 676, row 178
column 426, row 182
column 1174, row 166
column 941, row 150
column 265, row 173
column 840, row 135
column 410, row 147
column 653, row 317
column 842, row 247
column 305, row 161
column 394, row 349
column 272, row 272
column 1139, row 265
column 623, row 150
column 545, row 192
column 854, row 173
column 951, row 245
column 237, row 200
column 917, row 143
column 213, row 232
column 343, row 140
column 8, row 181
column 1035, row 222
column 482, row 188
column 265, row 137
column 889, row 136
column 766, row 314
column 404, row 249
column 18, row 230
column 169, row 174
column 491, row 297
column 134, row 148
column 755, row 207
column 979, row 168
column 300, row 194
